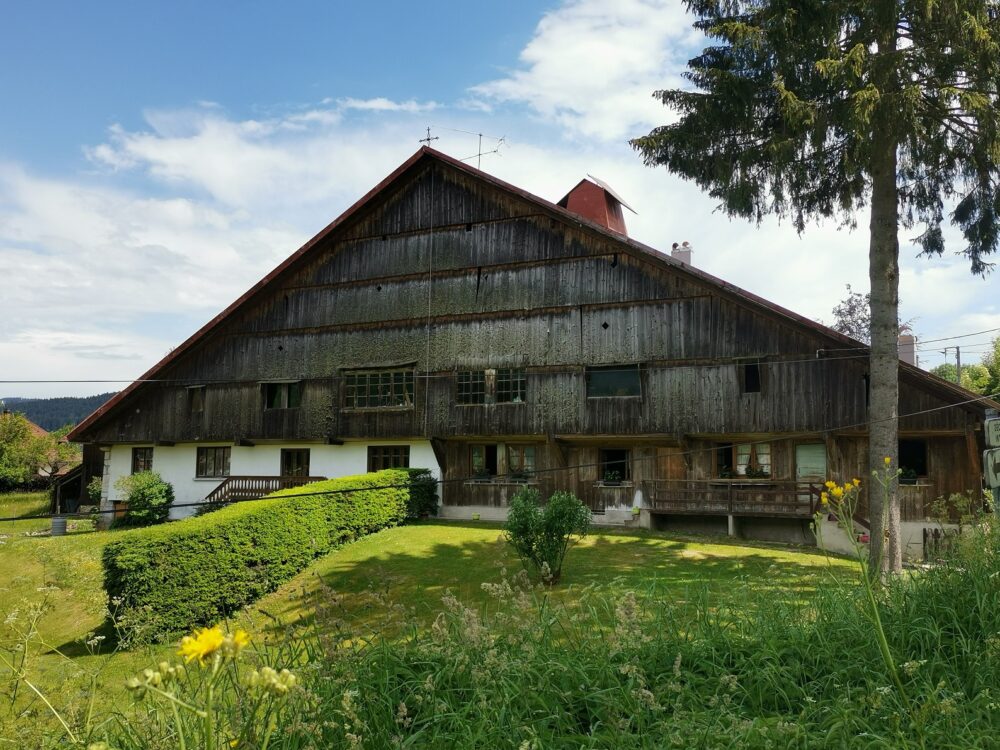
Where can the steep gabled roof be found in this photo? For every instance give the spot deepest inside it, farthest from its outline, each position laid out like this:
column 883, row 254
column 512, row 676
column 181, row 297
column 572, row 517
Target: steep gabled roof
column 648, row 254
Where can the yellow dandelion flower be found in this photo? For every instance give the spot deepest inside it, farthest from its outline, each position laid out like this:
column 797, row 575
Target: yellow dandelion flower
column 824, row 498
column 241, row 638
column 830, row 485
column 887, row 460
column 202, row 644
column 837, row 492
column 856, row 482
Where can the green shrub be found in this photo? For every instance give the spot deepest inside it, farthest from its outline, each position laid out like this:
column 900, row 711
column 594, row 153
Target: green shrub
column 148, row 496
column 542, row 536
column 94, row 488
column 170, row 578
column 423, row 494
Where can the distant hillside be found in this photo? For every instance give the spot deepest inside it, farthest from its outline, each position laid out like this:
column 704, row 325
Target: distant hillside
column 53, row 413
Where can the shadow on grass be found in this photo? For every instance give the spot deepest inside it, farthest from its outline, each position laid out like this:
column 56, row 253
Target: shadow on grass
column 362, row 590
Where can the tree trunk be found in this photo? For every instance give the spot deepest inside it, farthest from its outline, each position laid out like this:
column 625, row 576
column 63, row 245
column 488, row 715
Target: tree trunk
column 883, row 414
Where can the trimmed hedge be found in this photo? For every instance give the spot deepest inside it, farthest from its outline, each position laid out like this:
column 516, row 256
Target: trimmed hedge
column 166, row 579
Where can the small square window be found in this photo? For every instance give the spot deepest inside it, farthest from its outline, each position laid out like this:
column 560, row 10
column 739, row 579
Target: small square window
column 294, row 462
column 282, row 395
column 212, row 462
column 520, row 461
column 142, row 460
column 511, row 386
column 483, row 460
column 471, row 387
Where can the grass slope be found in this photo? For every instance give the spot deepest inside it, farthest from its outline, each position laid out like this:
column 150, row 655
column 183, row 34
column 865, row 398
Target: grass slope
column 411, row 566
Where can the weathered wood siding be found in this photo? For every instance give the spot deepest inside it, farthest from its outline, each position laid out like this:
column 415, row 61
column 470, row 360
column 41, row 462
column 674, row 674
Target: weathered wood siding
column 449, row 274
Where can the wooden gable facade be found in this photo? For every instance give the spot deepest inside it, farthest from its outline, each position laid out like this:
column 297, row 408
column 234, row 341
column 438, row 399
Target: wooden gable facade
column 522, row 343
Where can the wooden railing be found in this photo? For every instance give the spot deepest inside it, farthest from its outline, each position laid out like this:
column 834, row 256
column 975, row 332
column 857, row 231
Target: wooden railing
column 234, row 489
column 735, row 498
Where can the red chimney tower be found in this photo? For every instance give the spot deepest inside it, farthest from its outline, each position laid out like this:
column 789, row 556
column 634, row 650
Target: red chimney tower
column 594, row 200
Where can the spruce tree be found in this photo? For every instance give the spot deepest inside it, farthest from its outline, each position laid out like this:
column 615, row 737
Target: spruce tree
column 812, row 109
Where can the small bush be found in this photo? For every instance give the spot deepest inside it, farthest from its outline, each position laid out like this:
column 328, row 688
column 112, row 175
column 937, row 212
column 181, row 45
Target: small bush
column 94, row 487
column 148, row 496
column 195, row 571
column 542, row 536
column 423, row 494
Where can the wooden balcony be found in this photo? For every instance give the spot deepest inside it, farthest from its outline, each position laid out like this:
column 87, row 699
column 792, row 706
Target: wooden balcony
column 745, row 497
column 234, row 489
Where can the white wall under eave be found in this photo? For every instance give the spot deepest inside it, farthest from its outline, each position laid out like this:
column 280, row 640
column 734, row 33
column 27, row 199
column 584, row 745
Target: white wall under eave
column 176, row 464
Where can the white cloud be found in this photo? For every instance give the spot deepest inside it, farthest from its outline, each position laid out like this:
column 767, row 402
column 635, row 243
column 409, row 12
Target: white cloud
column 381, row 104
column 592, row 66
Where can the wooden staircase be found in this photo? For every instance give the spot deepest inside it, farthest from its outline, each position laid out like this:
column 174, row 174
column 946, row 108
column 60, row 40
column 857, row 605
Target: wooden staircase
column 235, row 489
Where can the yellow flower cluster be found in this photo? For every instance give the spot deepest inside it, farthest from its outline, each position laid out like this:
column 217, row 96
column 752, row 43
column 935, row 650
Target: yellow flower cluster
column 837, row 491
column 207, row 642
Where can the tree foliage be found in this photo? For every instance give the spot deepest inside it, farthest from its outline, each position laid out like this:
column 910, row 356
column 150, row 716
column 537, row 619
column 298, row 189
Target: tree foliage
column 541, row 536
column 27, row 457
column 812, row 109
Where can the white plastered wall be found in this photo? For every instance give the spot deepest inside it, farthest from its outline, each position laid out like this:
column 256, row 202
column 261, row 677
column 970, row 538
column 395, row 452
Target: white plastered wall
column 176, row 464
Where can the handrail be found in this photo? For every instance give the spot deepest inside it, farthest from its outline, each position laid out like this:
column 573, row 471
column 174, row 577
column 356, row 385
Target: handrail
column 254, row 487
column 774, row 497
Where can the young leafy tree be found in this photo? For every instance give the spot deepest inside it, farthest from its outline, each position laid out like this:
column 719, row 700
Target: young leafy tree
column 542, row 535
column 814, row 109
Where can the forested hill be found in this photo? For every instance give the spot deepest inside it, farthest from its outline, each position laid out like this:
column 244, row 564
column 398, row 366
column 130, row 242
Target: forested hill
column 53, row 413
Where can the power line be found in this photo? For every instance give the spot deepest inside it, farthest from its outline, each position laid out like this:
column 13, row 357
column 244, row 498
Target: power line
column 456, row 480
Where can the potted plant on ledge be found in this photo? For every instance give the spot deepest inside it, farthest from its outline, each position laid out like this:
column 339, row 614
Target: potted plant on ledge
column 612, row 478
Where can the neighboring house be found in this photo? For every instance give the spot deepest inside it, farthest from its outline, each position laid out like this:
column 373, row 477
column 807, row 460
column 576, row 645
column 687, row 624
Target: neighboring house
column 453, row 321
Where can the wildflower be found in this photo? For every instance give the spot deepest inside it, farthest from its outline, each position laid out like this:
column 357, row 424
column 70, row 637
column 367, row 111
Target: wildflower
column 830, row 485
column 856, row 482
column 824, row 497
column 202, row 644
column 887, row 460
column 837, row 492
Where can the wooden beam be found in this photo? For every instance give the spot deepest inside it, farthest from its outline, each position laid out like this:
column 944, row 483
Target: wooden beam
column 331, row 440
column 165, row 443
column 440, row 453
column 244, row 443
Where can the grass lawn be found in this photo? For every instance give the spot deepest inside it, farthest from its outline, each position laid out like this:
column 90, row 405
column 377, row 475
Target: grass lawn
column 412, row 566
column 20, row 504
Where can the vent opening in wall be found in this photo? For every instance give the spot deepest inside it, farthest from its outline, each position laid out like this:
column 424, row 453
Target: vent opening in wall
column 751, row 377
column 468, row 227
column 378, row 288
column 614, row 260
column 605, row 325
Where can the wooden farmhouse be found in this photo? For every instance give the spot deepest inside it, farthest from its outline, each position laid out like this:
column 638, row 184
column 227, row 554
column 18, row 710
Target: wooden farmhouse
column 452, row 321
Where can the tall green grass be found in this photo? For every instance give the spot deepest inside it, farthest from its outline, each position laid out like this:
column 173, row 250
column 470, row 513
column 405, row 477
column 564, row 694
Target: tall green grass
column 523, row 671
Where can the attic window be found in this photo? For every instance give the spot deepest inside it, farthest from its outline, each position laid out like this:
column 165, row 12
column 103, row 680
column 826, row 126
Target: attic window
column 196, row 399
column 617, row 381
column 752, row 379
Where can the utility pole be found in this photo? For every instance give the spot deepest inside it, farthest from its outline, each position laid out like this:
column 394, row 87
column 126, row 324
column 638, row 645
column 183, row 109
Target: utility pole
column 958, row 361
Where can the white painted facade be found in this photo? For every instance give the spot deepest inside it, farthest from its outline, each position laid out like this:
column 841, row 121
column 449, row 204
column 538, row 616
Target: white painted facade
column 177, row 465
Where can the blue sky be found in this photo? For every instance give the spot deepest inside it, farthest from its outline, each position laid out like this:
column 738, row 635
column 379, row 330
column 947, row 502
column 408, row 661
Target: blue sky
column 156, row 160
